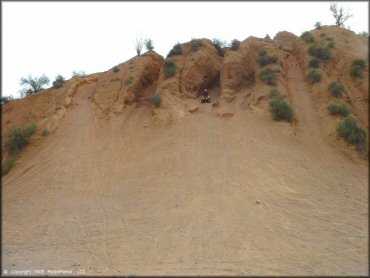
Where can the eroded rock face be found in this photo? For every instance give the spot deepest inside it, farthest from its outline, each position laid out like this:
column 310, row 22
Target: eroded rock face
column 201, row 69
column 285, row 40
column 195, row 70
column 130, row 82
column 238, row 67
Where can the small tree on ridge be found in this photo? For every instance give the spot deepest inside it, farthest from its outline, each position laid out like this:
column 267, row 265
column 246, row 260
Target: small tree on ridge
column 339, row 16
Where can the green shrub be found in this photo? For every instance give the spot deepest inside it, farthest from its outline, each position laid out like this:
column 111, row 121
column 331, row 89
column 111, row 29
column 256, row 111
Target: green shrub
column 59, row 81
column 314, row 76
column 176, row 50
column 262, row 52
column 129, row 80
column 359, row 62
column 307, row 37
column 169, row 68
column 279, row 107
column 357, row 67
column 45, row 132
column 363, row 34
column 116, row 69
column 275, row 93
column 314, row 63
column 339, row 109
column 322, row 53
column 331, row 44
column 263, row 59
column 78, row 73
column 350, row 130
column 318, row 25
column 5, row 99
column 356, row 71
column 220, row 46
column 7, row 166
column 156, row 100
column 235, row 44
column 336, row 89
column 196, row 44
column 268, row 76
column 148, row 44
column 30, row 130
column 17, row 138
column 33, row 85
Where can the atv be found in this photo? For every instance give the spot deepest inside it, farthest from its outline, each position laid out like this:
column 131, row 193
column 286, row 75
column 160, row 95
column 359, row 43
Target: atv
column 206, row 99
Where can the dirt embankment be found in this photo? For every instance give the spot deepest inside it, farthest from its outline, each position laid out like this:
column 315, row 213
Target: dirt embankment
column 233, row 80
column 115, row 189
column 347, row 47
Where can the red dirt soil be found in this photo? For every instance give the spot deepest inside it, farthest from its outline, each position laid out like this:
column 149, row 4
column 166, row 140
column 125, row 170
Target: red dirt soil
column 121, row 188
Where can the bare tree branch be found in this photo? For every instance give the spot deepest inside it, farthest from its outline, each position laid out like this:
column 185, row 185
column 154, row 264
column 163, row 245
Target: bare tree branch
column 340, row 16
column 139, row 43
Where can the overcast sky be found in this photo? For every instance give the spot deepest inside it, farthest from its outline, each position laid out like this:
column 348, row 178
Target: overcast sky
column 58, row 37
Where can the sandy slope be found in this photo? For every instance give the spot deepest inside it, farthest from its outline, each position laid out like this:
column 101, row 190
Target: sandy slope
column 115, row 197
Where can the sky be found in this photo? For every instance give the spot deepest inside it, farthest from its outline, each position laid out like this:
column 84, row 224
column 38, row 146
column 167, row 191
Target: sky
column 54, row 38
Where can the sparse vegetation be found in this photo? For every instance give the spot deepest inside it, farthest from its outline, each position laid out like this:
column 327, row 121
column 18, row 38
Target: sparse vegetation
column 339, row 109
column 314, row 76
column 33, row 85
column 235, row 44
column 220, row 46
column 350, row 130
column 314, row 63
column 363, row 34
column 80, row 73
column 129, row 80
column 262, row 52
column 5, row 99
column 268, row 76
column 116, row 69
column 59, row 82
column 169, row 68
column 336, row 89
column 318, row 25
column 274, row 93
column 16, row 139
column 279, row 107
column 156, row 100
column 307, row 37
column 196, row 44
column 139, row 43
column 331, row 44
column 263, row 59
column 358, row 67
column 7, row 166
column 322, row 53
column 149, row 44
column 30, row 130
column 176, row 50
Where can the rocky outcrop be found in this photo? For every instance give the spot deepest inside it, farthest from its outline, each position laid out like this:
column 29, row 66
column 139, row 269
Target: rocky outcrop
column 285, row 40
column 128, row 83
column 196, row 69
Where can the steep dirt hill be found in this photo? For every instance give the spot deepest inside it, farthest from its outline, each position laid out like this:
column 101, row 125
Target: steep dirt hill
column 121, row 187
